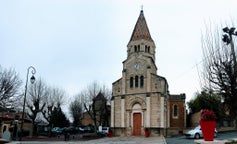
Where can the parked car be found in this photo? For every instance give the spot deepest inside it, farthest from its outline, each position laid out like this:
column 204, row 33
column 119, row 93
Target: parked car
column 79, row 129
column 56, row 130
column 196, row 133
column 71, row 130
column 25, row 132
column 103, row 130
column 88, row 129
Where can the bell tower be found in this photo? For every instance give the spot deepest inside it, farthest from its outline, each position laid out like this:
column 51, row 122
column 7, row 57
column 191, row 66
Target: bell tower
column 141, row 41
column 139, row 98
column 140, row 65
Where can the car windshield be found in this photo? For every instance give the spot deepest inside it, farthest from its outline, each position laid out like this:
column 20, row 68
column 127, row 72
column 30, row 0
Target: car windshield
column 197, row 128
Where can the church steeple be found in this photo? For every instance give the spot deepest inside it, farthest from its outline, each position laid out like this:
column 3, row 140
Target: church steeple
column 141, row 42
column 141, row 30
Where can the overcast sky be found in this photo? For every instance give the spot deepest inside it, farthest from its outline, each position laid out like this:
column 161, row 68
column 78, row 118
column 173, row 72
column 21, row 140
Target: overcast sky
column 72, row 43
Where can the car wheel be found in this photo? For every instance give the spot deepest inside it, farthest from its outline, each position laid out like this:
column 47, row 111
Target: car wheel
column 197, row 136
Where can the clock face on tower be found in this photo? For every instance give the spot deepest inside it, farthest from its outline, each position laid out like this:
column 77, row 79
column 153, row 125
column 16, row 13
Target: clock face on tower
column 136, row 66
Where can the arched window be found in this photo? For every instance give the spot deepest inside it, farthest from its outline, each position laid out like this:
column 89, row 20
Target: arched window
column 138, row 48
column 175, row 111
column 141, row 81
column 136, row 81
column 135, row 48
column 131, row 82
column 147, row 49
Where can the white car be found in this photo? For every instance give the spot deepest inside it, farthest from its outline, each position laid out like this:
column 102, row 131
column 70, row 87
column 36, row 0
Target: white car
column 103, row 130
column 196, row 133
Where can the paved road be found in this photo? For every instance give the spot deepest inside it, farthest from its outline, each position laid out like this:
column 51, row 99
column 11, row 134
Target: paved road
column 179, row 140
column 134, row 140
column 183, row 140
column 106, row 140
column 227, row 135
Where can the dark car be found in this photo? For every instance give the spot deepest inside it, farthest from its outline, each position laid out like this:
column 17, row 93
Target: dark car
column 79, row 129
column 88, row 129
column 56, row 131
column 71, row 130
column 24, row 132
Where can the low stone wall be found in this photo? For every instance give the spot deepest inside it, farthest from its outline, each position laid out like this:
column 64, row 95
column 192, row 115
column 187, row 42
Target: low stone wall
column 175, row 131
column 118, row 131
column 156, row 131
column 223, row 129
column 128, row 131
column 195, row 118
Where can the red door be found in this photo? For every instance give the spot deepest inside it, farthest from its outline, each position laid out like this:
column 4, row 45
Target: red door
column 137, row 123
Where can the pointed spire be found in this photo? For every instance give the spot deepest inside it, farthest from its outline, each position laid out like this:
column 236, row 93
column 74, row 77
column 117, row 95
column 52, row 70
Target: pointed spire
column 141, row 30
column 99, row 96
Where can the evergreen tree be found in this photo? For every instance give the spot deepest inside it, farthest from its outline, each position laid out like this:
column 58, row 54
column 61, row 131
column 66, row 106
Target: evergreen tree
column 59, row 119
column 76, row 112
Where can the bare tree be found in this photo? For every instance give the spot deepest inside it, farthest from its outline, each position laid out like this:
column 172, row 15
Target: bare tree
column 93, row 89
column 55, row 98
column 107, row 93
column 219, row 69
column 89, row 96
column 9, row 88
column 36, row 101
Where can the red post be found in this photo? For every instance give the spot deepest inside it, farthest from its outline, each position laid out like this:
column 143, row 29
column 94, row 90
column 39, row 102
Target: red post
column 146, row 132
column 110, row 134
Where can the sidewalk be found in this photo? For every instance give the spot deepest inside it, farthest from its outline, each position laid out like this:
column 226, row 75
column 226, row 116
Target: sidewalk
column 106, row 140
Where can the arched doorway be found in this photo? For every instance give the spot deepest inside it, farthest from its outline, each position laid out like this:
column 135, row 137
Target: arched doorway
column 137, row 123
column 137, row 119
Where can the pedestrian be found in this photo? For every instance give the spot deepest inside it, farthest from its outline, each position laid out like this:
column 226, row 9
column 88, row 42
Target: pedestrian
column 65, row 134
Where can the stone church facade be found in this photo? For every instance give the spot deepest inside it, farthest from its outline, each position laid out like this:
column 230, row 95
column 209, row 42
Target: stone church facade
column 141, row 98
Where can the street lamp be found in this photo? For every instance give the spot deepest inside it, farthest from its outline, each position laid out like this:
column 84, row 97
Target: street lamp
column 227, row 38
column 32, row 80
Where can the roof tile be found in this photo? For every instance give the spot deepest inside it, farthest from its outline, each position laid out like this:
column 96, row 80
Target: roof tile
column 141, row 30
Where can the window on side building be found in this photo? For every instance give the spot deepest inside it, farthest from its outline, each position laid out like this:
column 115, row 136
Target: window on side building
column 175, row 111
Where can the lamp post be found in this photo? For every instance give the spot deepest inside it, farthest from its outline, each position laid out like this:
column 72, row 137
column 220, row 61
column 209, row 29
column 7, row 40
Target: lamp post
column 227, row 38
column 32, row 80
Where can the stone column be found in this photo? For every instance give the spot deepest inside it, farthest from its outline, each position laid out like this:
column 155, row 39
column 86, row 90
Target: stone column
column 122, row 111
column 162, row 113
column 148, row 111
column 124, row 82
column 112, row 113
column 148, row 81
column 184, row 107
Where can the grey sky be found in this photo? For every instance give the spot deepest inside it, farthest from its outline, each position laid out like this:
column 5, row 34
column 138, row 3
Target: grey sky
column 74, row 42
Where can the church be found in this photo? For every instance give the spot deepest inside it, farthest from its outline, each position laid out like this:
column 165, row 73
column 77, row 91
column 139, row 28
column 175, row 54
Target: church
column 141, row 99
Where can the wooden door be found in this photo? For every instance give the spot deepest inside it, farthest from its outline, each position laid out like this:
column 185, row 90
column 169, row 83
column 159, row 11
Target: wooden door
column 137, row 123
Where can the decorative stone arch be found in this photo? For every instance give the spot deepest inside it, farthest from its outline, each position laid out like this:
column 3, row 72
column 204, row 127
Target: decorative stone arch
column 136, row 100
